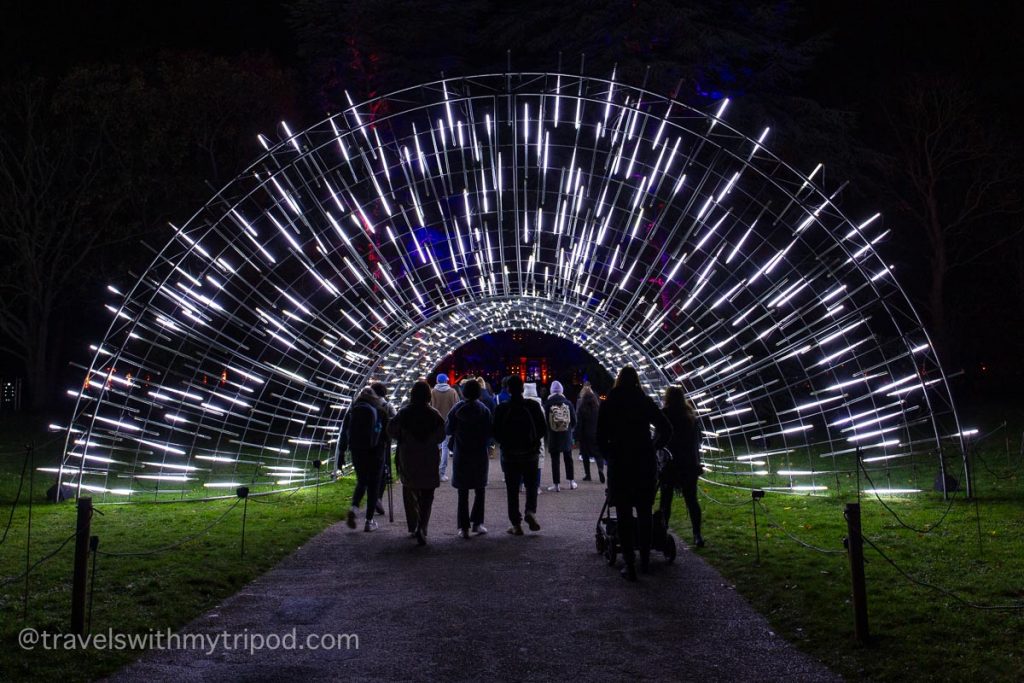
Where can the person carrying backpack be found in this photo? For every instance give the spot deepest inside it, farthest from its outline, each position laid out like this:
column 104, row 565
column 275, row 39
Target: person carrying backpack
column 361, row 434
column 518, row 428
column 561, row 420
column 381, row 390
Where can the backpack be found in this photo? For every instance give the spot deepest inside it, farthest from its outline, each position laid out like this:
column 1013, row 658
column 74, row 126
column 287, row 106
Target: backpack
column 559, row 417
column 363, row 427
column 518, row 424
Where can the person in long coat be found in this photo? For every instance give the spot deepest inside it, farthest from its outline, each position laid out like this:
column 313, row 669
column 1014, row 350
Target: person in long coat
column 419, row 430
column 587, row 406
column 624, row 436
column 685, row 468
column 469, row 425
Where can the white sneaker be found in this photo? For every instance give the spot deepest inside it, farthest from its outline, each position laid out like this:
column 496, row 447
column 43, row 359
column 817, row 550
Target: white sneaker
column 479, row 529
column 573, row 485
column 554, row 487
column 371, row 525
column 463, row 533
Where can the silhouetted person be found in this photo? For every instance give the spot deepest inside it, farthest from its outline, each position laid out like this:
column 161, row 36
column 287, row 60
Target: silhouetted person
column 684, row 469
column 362, row 434
column 382, row 394
column 624, row 436
column 419, row 431
column 518, row 426
column 469, row 425
column 561, row 420
column 443, row 398
column 587, row 407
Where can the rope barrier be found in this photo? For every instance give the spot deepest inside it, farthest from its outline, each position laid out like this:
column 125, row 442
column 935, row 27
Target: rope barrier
column 19, row 577
column 809, row 546
column 874, row 490
column 174, row 545
column 940, row 589
column 17, row 496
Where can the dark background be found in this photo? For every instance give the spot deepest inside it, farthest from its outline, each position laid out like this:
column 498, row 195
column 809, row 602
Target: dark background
column 141, row 109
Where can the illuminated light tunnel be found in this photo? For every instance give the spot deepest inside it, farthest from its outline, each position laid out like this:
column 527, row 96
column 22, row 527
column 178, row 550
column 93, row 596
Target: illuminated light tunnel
column 644, row 230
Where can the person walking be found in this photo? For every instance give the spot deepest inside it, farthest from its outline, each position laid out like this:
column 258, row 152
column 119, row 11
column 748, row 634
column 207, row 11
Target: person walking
column 560, row 416
column 442, row 399
column 685, row 468
column 469, row 425
column 486, row 397
column 624, row 437
column 518, row 426
column 361, row 431
column 587, row 407
column 381, row 390
column 530, row 394
column 418, row 429
column 503, row 395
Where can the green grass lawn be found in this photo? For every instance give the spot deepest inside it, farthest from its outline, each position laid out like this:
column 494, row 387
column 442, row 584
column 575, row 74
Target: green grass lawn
column 135, row 594
column 917, row 633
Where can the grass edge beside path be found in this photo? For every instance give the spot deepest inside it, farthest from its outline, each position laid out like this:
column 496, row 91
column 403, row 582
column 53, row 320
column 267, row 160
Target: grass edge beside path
column 917, row 633
column 152, row 592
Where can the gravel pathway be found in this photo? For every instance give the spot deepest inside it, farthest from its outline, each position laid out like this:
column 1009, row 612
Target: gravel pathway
column 539, row 607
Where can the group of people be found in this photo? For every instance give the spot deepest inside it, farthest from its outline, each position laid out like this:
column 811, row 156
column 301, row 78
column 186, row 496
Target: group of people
column 442, row 423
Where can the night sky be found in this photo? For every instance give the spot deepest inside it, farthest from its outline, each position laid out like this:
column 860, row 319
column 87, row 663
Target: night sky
column 871, row 49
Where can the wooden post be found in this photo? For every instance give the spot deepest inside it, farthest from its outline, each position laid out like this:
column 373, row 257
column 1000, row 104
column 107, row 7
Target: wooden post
column 855, row 551
column 82, row 528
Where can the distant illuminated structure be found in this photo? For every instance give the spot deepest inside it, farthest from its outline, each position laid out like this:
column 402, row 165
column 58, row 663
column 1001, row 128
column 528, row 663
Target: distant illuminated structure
column 646, row 231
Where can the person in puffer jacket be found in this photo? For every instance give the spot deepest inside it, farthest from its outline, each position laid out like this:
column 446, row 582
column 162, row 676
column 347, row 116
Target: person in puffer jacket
column 470, row 424
column 442, row 399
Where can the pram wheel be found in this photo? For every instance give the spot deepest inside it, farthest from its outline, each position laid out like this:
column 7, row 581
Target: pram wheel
column 610, row 554
column 669, row 550
column 601, row 542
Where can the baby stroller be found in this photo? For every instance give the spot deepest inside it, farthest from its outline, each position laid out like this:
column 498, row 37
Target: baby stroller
column 606, row 534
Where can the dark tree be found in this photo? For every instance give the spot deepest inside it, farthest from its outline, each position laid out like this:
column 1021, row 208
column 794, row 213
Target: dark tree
column 955, row 180
column 94, row 161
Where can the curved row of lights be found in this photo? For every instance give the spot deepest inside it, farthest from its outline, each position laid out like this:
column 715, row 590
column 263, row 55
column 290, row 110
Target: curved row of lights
column 647, row 231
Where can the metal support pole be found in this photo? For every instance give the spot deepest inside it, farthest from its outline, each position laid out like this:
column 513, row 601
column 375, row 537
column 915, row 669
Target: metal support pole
column 243, row 493
column 316, row 507
column 756, row 495
column 855, row 551
column 30, row 455
column 968, row 473
column 81, row 566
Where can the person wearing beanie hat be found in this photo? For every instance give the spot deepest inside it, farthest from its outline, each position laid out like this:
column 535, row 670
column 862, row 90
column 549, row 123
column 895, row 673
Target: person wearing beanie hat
column 560, row 415
column 442, row 399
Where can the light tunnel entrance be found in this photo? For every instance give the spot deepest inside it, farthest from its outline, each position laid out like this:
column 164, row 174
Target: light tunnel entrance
column 368, row 246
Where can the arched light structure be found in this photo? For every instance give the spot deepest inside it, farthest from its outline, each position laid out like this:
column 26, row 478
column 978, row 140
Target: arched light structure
column 372, row 244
